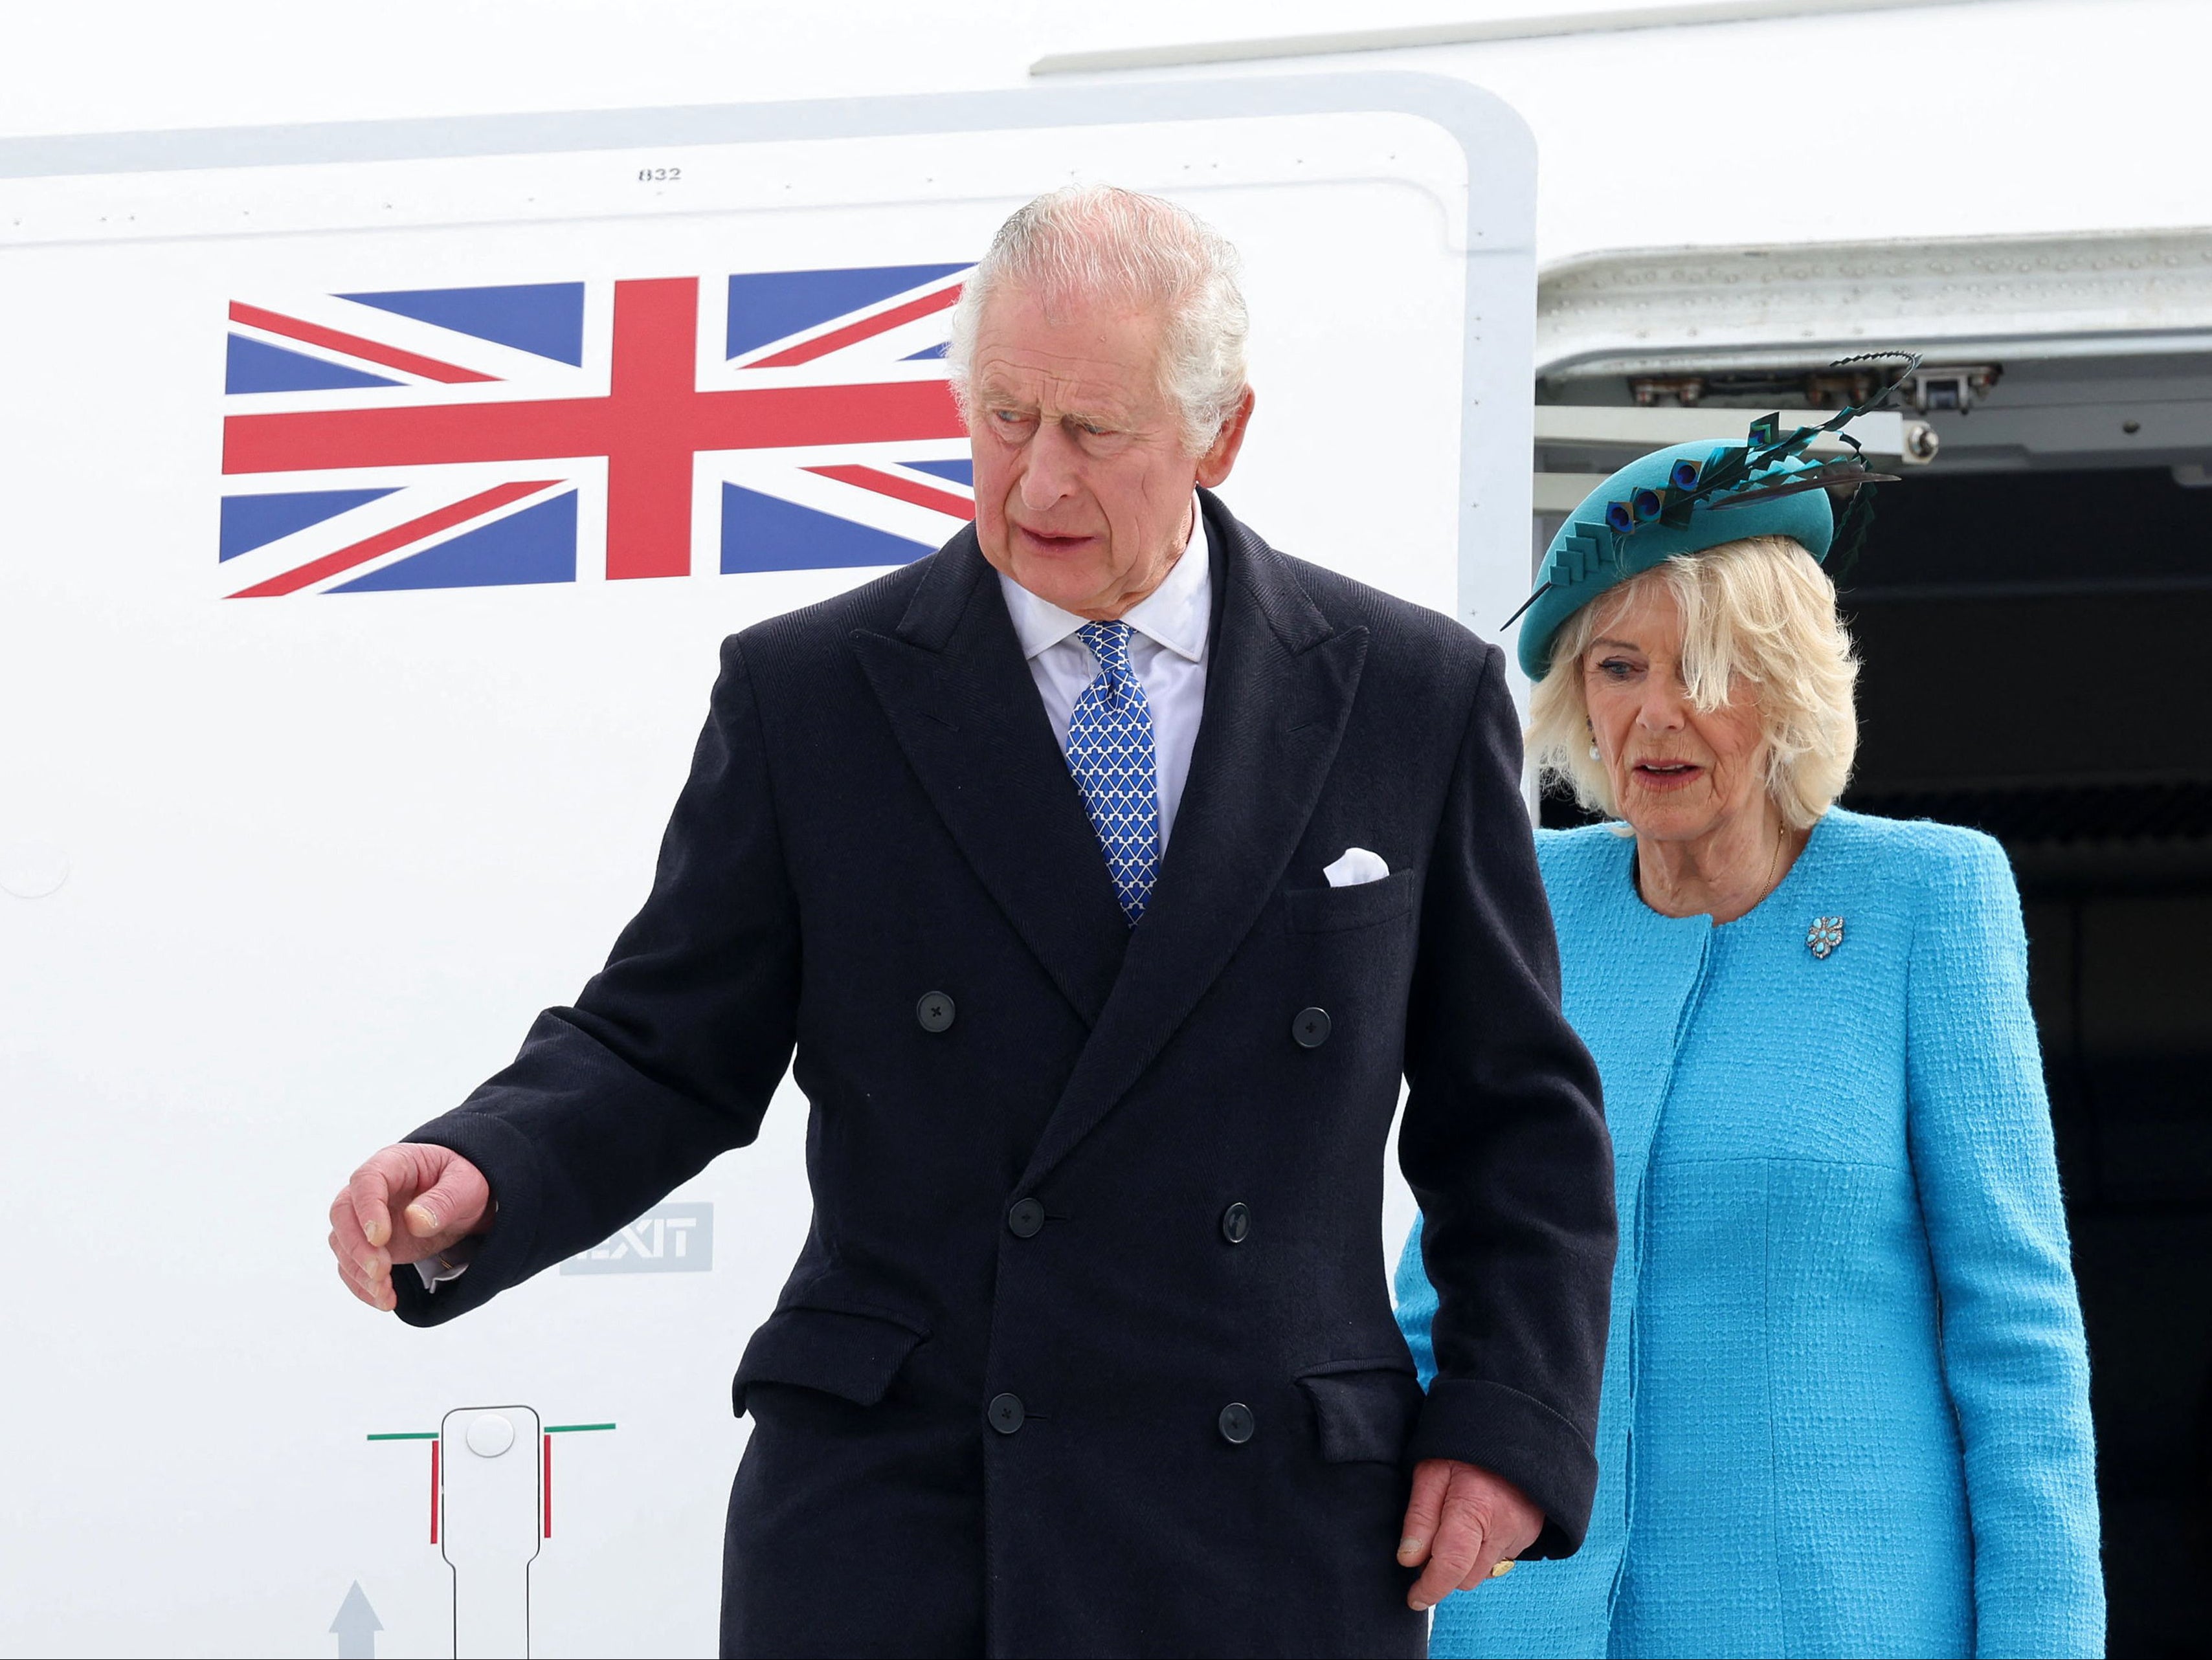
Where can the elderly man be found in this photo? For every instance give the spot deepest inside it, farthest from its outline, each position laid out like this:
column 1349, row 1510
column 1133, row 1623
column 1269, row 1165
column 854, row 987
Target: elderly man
column 1106, row 871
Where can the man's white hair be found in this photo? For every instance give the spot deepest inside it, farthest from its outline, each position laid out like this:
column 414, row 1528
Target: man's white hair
column 1083, row 243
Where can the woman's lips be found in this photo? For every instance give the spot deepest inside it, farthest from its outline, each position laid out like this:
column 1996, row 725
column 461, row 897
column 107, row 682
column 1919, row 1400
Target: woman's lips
column 1666, row 774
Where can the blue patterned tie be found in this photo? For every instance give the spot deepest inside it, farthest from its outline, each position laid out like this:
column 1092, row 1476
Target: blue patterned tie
column 1110, row 750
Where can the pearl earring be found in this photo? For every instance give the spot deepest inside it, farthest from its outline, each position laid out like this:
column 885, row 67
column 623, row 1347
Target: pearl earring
column 1594, row 755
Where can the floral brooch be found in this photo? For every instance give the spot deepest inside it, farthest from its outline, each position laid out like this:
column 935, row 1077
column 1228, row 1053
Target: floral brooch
column 1825, row 934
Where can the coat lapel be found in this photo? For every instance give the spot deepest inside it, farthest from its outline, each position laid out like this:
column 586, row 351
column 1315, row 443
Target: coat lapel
column 1277, row 697
column 961, row 701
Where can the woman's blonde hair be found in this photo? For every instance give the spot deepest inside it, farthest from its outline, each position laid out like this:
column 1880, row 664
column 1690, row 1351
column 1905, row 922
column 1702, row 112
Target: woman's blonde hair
column 1762, row 608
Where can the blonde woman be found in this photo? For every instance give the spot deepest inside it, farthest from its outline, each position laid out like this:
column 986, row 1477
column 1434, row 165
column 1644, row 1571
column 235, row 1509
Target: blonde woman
column 1845, row 1407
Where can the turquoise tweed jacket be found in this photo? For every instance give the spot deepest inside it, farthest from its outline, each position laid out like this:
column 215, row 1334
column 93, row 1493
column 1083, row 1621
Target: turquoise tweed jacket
column 1846, row 1405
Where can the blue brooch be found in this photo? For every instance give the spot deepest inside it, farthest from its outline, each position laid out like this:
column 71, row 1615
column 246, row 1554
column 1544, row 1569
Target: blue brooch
column 1825, row 934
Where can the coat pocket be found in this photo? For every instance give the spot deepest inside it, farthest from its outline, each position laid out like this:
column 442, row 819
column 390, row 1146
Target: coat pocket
column 853, row 1356
column 1327, row 910
column 1364, row 1409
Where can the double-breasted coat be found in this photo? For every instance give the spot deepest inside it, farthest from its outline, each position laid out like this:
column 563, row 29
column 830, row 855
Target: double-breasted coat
column 1089, row 1350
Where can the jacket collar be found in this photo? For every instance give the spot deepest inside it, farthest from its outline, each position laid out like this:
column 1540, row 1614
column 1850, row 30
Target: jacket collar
column 959, row 695
column 960, row 702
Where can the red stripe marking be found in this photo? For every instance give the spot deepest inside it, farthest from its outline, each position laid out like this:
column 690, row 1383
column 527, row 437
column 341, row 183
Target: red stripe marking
column 651, row 386
column 901, row 490
column 361, row 552
column 433, row 1493
column 837, row 339
column 432, row 435
column 353, row 345
column 549, row 1485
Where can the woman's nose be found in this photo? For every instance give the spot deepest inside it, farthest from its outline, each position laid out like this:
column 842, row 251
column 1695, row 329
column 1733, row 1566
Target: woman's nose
column 1662, row 709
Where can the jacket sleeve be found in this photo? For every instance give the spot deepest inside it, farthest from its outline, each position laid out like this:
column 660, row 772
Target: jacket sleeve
column 1504, row 1143
column 2014, row 1355
column 672, row 1052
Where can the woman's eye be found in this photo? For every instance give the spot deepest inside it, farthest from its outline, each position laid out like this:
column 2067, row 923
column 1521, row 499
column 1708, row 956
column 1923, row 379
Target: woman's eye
column 1614, row 668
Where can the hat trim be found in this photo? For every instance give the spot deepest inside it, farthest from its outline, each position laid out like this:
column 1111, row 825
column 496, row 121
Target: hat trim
column 1732, row 475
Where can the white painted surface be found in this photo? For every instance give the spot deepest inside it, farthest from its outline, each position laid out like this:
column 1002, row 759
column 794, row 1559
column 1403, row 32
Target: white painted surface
column 1963, row 300
column 326, row 855
column 2018, row 118
column 1555, row 22
column 255, row 925
column 2007, row 118
column 493, row 1500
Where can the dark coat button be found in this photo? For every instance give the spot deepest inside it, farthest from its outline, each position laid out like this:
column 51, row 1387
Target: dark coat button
column 1236, row 1222
column 1236, row 1425
column 934, row 1011
column 1310, row 1028
column 1026, row 1219
column 1005, row 1413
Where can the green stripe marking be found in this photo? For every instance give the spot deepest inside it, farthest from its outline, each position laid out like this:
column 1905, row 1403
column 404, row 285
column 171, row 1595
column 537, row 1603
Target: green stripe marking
column 432, row 1434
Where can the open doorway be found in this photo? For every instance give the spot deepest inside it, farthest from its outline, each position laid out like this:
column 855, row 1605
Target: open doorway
column 2038, row 652
column 2034, row 613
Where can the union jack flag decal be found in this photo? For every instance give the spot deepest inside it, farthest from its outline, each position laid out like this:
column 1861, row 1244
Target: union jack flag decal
column 564, row 431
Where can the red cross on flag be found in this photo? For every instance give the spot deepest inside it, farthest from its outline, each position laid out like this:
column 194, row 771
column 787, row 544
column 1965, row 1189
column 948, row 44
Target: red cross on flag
column 558, row 432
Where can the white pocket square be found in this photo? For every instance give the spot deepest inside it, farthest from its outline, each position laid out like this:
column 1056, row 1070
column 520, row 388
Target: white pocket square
column 1354, row 866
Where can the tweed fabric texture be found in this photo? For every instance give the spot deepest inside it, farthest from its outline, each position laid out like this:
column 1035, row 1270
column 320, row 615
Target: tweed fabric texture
column 1109, row 751
column 1845, row 1407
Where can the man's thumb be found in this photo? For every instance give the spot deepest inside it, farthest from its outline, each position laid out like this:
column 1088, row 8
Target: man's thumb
column 454, row 1202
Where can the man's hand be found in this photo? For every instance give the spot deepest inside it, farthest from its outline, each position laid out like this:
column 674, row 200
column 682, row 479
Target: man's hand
column 1462, row 1521
column 443, row 1198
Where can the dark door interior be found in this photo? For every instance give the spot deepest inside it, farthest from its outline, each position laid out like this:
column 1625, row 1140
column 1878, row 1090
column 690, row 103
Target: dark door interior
column 2037, row 654
column 2038, row 664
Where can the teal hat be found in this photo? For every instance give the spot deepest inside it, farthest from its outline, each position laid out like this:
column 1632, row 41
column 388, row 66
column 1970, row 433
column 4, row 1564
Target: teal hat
column 1690, row 496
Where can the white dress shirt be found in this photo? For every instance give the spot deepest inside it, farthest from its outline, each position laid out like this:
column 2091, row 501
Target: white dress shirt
column 1167, row 649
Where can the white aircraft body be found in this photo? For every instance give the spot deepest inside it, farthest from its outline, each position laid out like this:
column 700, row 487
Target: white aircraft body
column 329, row 760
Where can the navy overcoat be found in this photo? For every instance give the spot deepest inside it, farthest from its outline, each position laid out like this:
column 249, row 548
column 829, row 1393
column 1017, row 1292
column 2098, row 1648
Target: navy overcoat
column 1089, row 1350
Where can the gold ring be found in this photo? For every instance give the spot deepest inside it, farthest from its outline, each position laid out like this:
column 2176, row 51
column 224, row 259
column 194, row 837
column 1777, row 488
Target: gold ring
column 1502, row 1569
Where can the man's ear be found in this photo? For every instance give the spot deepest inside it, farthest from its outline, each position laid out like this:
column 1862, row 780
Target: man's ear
column 1215, row 465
